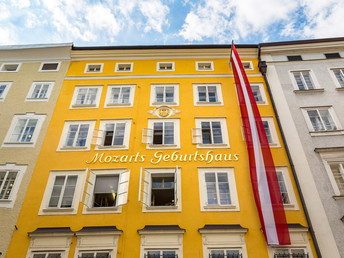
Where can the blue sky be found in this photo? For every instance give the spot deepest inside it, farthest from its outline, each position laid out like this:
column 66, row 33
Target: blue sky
column 166, row 22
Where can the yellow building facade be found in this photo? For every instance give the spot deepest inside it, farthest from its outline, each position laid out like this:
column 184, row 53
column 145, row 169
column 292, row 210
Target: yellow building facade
column 145, row 157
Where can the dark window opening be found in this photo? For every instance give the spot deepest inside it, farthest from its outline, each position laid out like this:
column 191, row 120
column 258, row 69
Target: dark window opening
column 332, row 55
column 294, row 58
column 163, row 193
column 50, row 67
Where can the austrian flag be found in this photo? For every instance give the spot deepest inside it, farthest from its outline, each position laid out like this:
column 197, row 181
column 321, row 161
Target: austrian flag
column 263, row 174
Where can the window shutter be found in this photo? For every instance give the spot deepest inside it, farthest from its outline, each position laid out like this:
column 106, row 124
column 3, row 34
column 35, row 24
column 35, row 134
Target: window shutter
column 123, row 186
column 175, row 186
column 98, row 136
column 147, row 135
column 144, row 190
column 88, row 188
column 196, row 135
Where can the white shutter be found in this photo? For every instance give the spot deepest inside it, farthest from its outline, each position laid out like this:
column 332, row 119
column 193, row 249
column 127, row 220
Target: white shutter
column 196, row 135
column 88, row 189
column 98, row 136
column 144, row 190
column 147, row 136
column 175, row 186
column 123, row 187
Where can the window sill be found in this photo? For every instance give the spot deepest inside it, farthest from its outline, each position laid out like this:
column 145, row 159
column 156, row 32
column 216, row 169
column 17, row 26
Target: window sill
column 36, row 99
column 101, row 209
column 47, row 210
column 73, row 148
column 164, row 103
column 112, row 147
column 172, row 207
column 83, row 105
column 289, row 206
column 261, row 102
column 327, row 133
column 309, row 91
column 17, row 143
column 216, row 206
column 208, row 103
column 162, row 146
column 5, row 200
column 338, row 197
column 340, row 89
column 118, row 104
column 209, row 146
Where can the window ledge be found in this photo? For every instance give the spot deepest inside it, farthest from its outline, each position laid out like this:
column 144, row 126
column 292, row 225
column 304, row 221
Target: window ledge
column 73, row 148
column 118, row 104
column 338, row 197
column 164, row 103
column 58, row 210
column 340, row 89
column 32, row 99
column 327, row 133
column 223, row 145
column 261, row 102
column 112, row 147
column 216, row 206
column 208, row 103
column 17, row 143
column 5, row 200
column 309, row 91
column 289, row 205
column 171, row 207
column 84, row 105
column 100, row 209
column 163, row 145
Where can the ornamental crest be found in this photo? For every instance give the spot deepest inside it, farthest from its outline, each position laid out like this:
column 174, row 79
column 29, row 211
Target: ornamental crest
column 164, row 112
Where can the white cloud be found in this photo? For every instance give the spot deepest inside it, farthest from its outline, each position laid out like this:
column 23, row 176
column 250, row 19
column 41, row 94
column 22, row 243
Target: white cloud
column 20, row 3
column 155, row 12
column 7, row 36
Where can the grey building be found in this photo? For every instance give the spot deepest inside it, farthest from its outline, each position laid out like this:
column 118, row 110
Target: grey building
column 306, row 80
column 31, row 77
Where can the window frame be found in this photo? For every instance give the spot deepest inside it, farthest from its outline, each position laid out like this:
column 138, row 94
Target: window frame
column 261, row 89
column 293, row 205
column 196, row 133
column 64, row 134
column 32, row 88
column 315, row 83
column 6, row 90
column 338, row 130
column 40, row 120
column 219, row 101
column 146, row 175
column 158, row 66
column 45, row 209
column 5, row 71
column 74, row 105
column 148, row 134
column 56, row 70
column 123, row 184
column 12, row 167
column 153, row 101
column 95, row 64
column 115, row 105
column 124, row 71
column 335, row 79
column 271, row 123
column 250, row 63
column 99, row 135
column 234, row 206
column 198, row 63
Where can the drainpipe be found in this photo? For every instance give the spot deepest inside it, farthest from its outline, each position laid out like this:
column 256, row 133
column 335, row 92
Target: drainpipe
column 262, row 68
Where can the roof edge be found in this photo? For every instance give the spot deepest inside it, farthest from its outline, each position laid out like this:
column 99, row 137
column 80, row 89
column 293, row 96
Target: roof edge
column 31, row 46
column 296, row 42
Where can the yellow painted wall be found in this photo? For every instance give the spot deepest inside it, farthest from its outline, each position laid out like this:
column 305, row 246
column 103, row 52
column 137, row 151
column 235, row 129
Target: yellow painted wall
column 132, row 218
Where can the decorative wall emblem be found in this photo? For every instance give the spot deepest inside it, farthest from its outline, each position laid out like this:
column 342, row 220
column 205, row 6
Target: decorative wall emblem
column 163, row 111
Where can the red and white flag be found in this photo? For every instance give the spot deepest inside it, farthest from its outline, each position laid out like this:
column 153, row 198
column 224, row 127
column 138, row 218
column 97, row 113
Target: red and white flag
column 263, row 174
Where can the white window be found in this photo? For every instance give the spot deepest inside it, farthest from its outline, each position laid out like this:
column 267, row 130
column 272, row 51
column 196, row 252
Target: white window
column 207, row 94
column 86, row 97
column 124, row 67
column 76, row 135
column 112, row 134
column 120, row 96
column 165, row 95
column 259, row 93
column 160, row 189
column 165, row 66
column 270, row 131
column 161, row 254
column 218, row 189
column 224, row 253
column 223, row 241
column 205, row 66
column 162, row 134
column 11, row 176
column 161, row 241
column 210, row 133
column 286, row 189
column 94, row 254
column 335, row 169
column 40, row 91
column 290, row 253
column 94, row 68
column 303, row 80
column 106, row 191
column 24, row 130
column 321, row 119
column 10, row 67
column 50, row 66
column 46, row 255
column 248, row 65
column 62, row 193
column 339, row 77
column 4, row 88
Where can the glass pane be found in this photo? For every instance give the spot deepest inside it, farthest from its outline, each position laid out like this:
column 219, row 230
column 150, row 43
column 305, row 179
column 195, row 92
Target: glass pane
column 206, row 133
column 29, row 130
column 87, row 255
column 80, row 99
column 232, row 253
column 91, row 96
column 211, row 188
column 308, row 80
column 327, row 120
column 125, row 95
column 217, row 253
column 202, row 93
column 43, row 93
column 2, row 89
column 18, row 130
column 299, row 81
column 267, row 131
column 39, row 256
column 169, row 94
column 56, row 192
column 115, row 95
column 36, row 90
column 339, row 75
column 169, row 133
column 159, row 91
column 315, row 120
column 168, row 254
column 6, row 187
column 212, row 94
column 224, row 193
column 119, row 134
column 217, row 134
column 82, row 136
column 256, row 93
column 54, row 255
column 109, row 130
column 157, row 133
column 153, row 254
column 69, row 192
